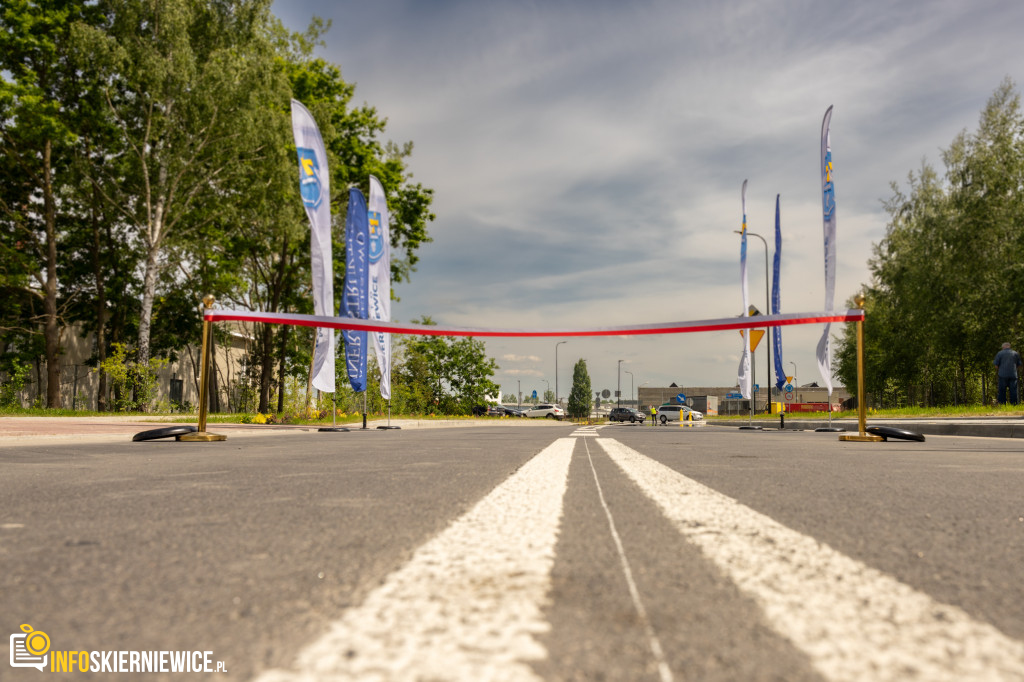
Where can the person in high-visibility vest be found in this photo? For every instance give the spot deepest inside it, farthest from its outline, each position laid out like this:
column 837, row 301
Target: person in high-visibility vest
column 654, row 413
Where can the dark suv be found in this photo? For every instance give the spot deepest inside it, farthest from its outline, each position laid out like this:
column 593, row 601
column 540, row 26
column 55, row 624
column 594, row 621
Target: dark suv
column 626, row 414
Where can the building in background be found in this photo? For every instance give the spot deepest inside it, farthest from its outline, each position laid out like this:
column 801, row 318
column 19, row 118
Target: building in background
column 811, row 398
column 177, row 383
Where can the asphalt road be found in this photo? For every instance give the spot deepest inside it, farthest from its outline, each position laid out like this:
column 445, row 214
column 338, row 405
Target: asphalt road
column 534, row 552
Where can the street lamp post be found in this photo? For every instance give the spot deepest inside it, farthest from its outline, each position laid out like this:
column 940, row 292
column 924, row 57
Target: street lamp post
column 549, row 389
column 630, row 384
column 618, row 390
column 795, row 384
column 767, row 306
column 556, row 369
column 519, row 386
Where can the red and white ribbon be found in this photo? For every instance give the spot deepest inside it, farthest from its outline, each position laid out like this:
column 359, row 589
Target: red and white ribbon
column 723, row 324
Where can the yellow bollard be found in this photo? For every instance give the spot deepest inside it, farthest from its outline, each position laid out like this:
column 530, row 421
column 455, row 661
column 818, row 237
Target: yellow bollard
column 201, row 436
column 686, row 422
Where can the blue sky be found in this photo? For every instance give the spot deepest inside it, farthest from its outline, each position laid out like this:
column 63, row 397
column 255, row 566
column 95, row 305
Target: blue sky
column 587, row 157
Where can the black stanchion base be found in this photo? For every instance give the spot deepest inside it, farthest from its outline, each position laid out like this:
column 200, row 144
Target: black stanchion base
column 334, row 429
column 389, row 428
column 887, row 432
column 751, row 428
column 165, row 432
column 830, row 429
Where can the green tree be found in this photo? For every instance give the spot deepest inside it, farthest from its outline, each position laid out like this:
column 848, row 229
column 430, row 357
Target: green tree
column 39, row 94
column 948, row 274
column 579, row 396
column 184, row 89
column 148, row 160
column 448, row 374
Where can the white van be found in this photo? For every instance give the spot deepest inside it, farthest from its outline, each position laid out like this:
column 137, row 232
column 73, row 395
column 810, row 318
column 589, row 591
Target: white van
column 673, row 413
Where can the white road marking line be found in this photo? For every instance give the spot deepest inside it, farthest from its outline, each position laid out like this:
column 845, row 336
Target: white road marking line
column 585, row 431
column 853, row 621
column 468, row 603
column 652, row 639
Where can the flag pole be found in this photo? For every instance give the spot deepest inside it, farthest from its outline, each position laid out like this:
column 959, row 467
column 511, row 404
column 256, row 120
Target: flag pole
column 334, row 418
column 828, row 203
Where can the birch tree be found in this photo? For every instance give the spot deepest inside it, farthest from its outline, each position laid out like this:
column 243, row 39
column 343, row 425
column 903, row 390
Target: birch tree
column 183, row 80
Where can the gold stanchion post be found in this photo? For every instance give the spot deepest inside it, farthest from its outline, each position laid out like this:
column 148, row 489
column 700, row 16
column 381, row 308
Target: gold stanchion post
column 863, row 436
column 201, row 436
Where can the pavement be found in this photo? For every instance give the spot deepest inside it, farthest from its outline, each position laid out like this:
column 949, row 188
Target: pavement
column 516, row 549
column 983, row 427
column 18, row 429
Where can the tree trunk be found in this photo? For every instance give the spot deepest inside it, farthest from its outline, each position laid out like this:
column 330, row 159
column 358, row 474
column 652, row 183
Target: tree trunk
column 155, row 232
column 101, row 307
column 39, row 381
column 280, row 369
column 963, row 377
column 267, row 359
column 214, row 387
column 51, row 329
column 266, row 367
column 148, row 296
column 309, row 379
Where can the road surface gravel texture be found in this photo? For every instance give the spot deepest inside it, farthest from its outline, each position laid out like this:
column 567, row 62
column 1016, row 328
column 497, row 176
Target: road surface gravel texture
column 517, row 551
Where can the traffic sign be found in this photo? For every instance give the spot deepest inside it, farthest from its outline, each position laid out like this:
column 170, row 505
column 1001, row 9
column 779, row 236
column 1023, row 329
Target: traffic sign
column 755, row 337
column 789, row 396
column 789, row 388
column 535, row 394
column 681, row 398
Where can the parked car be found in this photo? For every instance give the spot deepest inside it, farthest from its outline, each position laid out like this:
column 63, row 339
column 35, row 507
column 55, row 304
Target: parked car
column 626, row 414
column 513, row 412
column 547, row 411
column 495, row 411
column 670, row 413
column 479, row 410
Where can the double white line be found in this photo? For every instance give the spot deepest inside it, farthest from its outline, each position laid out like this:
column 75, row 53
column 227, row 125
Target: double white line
column 852, row 621
column 469, row 604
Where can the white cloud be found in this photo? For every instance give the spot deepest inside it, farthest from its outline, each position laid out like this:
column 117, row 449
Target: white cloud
column 511, row 357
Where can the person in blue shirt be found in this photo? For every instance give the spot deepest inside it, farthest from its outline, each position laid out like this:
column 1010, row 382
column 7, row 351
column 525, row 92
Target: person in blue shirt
column 1007, row 360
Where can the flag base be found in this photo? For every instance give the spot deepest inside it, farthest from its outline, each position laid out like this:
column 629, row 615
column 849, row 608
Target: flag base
column 389, row 428
column 334, row 429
